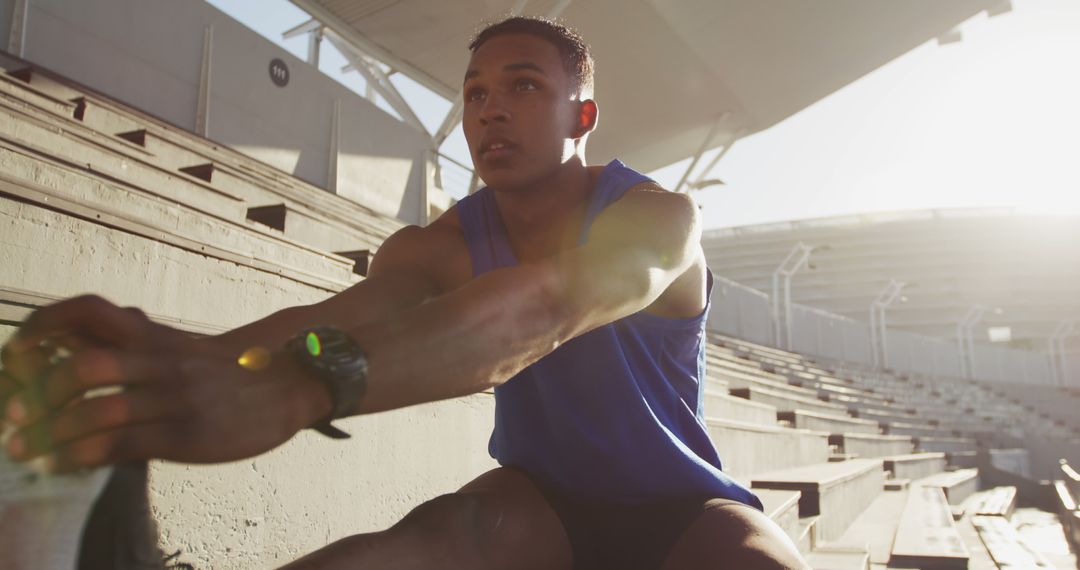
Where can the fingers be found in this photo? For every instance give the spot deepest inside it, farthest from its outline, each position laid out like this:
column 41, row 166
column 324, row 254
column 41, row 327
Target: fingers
column 90, row 416
column 24, row 367
column 134, row 442
column 84, row 372
column 86, row 317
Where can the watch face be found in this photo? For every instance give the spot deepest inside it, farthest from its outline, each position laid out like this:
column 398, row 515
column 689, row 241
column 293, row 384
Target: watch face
column 313, row 344
column 338, row 362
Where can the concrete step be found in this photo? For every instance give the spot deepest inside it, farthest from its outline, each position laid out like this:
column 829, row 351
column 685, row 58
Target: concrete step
column 999, row 502
column 872, row 445
column 832, row 423
column 783, row 508
column 59, row 145
column 838, row 492
column 1012, row 460
column 914, row 466
column 13, row 89
column 741, row 379
column 837, row 557
column 881, row 415
column 1004, row 544
column 722, row 405
column 100, row 202
column 785, row 401
column 805, row 543
column 913, row 429
column 945, row 444
column 962, row 459
column 926, row 536
column 747, row 449
column 957, row 485
column 876, row 526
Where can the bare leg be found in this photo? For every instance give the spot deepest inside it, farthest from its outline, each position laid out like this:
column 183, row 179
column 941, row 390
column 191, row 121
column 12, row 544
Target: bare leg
column 732, row 535
column 499, row 520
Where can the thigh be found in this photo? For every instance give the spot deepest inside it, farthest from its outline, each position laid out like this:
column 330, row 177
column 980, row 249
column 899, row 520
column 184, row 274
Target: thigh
column 729, row 534
column 509, row 521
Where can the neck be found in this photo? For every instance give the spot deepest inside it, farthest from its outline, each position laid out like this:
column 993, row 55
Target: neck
column 543, row 217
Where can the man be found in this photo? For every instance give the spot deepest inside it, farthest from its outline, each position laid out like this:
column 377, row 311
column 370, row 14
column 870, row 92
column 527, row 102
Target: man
column 579, row 293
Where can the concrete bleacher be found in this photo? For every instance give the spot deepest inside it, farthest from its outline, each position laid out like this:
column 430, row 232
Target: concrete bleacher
column 927, row 437
column 170, row 206
column 98, row 197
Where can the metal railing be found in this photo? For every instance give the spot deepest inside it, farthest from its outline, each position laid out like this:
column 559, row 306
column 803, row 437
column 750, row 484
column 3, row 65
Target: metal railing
column 746, row 313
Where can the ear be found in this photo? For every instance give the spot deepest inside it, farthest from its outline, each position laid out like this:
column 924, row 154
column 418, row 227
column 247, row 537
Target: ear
column 588, row 115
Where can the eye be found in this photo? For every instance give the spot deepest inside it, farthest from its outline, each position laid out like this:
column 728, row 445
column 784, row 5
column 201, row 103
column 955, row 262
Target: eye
column 474, row 95
column 526, row 85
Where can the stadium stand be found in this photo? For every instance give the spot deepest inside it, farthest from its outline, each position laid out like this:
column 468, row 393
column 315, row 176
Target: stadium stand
column 862, row 467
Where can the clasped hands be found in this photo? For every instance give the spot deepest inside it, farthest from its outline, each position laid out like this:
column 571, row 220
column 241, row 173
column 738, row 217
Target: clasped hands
column 86, row 383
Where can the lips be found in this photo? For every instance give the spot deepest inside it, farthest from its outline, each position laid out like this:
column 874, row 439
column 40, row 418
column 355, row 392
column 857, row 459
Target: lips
column 496, row 147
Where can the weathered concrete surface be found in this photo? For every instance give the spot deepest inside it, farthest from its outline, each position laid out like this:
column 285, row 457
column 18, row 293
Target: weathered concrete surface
column 870, row 445
column 746, row 449
column 725, row 406
column 311, row 491
column 262, row 512
column 838, row 492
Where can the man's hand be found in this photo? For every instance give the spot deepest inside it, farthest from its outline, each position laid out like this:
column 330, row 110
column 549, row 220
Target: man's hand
column 130, row 389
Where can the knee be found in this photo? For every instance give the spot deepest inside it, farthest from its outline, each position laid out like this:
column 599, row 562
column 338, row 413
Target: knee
column 750, row 538
column 462, row 526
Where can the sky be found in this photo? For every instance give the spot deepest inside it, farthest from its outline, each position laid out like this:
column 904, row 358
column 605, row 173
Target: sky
column 992, row 121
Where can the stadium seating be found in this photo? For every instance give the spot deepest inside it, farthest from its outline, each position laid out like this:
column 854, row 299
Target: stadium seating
column 851, row 462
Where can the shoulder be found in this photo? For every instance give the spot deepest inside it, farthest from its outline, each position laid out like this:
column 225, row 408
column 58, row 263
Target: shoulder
column 438, row 249
column 648, row 207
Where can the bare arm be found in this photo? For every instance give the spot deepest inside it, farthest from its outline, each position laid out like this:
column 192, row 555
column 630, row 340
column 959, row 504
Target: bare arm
column 489, row 329
column 400, row 277
column 196, row 405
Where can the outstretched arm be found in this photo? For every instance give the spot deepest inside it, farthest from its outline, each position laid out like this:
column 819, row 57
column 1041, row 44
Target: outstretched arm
column 198, row 405
column 486, row 331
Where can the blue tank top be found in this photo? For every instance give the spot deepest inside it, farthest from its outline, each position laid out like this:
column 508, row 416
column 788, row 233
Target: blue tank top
column 616, row 413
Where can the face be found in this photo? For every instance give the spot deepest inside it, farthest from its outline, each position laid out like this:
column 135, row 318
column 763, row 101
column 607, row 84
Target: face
column 519, row 118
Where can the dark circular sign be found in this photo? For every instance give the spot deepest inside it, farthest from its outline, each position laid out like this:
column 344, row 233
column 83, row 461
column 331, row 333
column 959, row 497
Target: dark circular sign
column 279, row 72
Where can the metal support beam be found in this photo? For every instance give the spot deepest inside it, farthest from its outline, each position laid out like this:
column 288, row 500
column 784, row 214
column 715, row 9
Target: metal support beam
column 1058, row 360
column 348, row 35
column 796, row 260
column 705, row 145
column 965, row 333
column 313, row 46
column 305, row 28
column 377, row 79
column 335, row 141
column 19, row 18
column 701, row 182
column 202, row 111
column 453, row 117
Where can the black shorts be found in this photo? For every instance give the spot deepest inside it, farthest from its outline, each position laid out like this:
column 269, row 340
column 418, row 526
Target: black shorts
column 606, row 536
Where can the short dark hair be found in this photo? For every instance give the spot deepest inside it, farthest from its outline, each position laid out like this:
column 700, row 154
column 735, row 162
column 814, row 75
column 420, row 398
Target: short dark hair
column 577, row 61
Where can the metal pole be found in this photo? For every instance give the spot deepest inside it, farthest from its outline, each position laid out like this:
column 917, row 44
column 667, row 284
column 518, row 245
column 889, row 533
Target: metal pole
column 313, row 45
column 873, row 335
column 776, row 306
column 17, row 37
column 202, row 110
column 701, row 150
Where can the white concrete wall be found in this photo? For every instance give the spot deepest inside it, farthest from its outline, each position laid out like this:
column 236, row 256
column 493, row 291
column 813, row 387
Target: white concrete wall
column 311, row 491
column 148, row 53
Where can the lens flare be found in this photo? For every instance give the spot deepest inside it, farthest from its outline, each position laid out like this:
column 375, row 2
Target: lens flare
column 314, row 346
column 255, row 358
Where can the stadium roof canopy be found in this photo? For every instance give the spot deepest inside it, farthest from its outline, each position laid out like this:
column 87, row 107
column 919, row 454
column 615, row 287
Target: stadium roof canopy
column 674, row 77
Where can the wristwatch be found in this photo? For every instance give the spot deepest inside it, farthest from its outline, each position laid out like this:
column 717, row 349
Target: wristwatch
column 337, row 361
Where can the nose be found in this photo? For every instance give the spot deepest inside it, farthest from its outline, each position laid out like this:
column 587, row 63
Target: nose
column 494, row 109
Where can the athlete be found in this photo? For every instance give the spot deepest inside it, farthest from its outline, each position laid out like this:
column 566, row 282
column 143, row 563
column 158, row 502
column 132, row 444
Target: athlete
column 577, row 292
